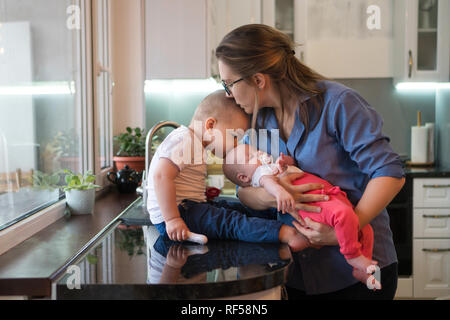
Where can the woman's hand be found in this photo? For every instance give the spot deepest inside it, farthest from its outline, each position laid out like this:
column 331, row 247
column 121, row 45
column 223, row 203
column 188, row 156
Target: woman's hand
column 298, row 191
column 317, row 233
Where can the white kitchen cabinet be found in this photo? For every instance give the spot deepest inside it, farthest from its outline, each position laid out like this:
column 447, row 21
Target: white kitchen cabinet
column 181, row 35
column 223, row 17
column 422, row 40
column 176, row 39
column 431, row 193
column 431, row 267
column 339, row 39
column 431, row 234
column 290, row 17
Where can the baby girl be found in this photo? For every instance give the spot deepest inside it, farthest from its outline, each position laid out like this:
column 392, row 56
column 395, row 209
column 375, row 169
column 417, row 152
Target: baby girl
column 245, row 166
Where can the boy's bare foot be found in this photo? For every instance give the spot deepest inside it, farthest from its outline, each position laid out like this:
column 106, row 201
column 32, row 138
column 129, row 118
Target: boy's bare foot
column 294, row 239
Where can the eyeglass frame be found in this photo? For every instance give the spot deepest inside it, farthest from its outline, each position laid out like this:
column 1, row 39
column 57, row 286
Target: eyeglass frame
column 228, row 87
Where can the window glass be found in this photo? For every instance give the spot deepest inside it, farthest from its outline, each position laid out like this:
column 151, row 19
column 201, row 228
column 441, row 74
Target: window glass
column 40, row 104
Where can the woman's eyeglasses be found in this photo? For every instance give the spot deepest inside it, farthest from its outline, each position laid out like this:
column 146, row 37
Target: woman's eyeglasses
column 228, row 87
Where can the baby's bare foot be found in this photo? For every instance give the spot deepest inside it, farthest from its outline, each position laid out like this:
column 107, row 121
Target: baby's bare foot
column 363, row 271
column 295, row 240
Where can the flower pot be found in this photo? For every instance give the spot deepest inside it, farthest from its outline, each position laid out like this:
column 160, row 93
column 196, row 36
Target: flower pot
column 80, row 201
column 136, row 163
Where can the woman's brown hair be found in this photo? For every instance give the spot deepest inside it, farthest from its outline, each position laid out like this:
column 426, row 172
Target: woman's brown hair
column 258, row 48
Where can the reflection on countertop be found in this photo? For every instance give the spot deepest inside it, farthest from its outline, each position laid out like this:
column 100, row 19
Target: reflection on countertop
column 136, row 263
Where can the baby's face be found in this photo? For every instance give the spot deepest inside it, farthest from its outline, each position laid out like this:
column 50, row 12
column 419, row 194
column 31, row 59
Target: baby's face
column 249, row 159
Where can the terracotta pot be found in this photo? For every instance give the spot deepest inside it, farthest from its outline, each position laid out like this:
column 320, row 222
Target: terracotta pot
column 136, row 163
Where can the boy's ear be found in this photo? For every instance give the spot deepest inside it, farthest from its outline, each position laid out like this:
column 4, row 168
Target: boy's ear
column 210, row 123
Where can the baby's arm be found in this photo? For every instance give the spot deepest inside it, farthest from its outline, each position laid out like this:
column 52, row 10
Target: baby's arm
column 164, row 178
column 285, row 201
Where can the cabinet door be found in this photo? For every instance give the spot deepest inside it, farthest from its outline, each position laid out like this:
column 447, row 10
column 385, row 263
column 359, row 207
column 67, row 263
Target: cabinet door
column 431, row 268
column 224, row 16
column 431, row 193
column 431, row 223
column 290, row 17
column 176, row 39
column 422, row 40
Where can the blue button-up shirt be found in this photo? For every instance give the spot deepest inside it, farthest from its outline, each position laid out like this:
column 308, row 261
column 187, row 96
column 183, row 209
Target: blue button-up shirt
column 346, row 148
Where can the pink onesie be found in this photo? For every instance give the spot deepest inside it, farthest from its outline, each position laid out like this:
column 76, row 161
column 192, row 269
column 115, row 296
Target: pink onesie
column 338, row 212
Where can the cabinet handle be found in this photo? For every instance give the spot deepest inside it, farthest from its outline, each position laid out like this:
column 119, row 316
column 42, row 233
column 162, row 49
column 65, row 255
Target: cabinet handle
column 436, row 186
column 436, row 250
column 435, row 216
column 410, row 64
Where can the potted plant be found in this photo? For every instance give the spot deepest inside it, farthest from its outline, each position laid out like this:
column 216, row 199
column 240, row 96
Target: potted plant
column 80, row 192
column 131, row 149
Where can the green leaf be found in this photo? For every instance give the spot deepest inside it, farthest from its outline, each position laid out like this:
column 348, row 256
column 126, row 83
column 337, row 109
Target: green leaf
column 92, row 259
column 90, row 179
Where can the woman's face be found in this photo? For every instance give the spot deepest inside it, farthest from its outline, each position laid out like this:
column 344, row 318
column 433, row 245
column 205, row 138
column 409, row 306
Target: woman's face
column 242, row 92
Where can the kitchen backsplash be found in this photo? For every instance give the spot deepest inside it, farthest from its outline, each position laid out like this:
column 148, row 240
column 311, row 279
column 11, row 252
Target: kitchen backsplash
column 398, row 109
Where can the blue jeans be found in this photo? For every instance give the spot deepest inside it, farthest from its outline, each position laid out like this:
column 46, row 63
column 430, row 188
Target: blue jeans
column 228, row 220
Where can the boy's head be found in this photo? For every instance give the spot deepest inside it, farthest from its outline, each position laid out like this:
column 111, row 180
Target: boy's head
column 222, row 122
column 240, row 164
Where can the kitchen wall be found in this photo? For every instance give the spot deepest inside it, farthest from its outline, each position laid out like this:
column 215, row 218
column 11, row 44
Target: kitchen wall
column 398, row 109
column 443, row 126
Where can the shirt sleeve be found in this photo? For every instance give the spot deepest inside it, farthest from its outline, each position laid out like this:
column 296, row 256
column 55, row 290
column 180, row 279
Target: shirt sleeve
column 178, row 150
column 358, row 129
column 263, row 170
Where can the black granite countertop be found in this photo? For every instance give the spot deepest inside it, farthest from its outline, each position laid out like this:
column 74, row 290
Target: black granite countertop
column 428, row 172
column 134, row 262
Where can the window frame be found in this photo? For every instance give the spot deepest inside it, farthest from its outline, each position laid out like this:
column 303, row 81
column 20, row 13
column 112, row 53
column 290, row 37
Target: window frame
column 96, row 167
column 86, row 119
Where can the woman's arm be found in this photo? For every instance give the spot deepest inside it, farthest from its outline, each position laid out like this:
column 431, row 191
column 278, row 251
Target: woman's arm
column 378, row 194
column 260, row 199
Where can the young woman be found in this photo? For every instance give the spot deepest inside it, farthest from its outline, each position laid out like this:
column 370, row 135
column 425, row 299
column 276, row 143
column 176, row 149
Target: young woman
column 330, row 131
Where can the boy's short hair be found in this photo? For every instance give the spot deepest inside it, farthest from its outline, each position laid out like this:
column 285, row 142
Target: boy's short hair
column 216, row 105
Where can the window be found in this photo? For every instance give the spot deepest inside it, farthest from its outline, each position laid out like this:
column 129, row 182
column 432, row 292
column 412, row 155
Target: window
column 46, row 94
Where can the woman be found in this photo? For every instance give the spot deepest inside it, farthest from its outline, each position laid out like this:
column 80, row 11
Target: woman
column 330, row 131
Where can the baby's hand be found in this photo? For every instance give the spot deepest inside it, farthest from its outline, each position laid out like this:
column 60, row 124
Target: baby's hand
column 282, row 163
column 176, row 229
column 285, row 201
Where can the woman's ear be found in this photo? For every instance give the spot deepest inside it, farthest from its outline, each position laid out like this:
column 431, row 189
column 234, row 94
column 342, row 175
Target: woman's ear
column 260, row 80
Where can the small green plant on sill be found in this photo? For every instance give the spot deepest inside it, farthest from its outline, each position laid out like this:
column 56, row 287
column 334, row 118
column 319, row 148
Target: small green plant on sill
column 131, row 144
column 79, row 181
